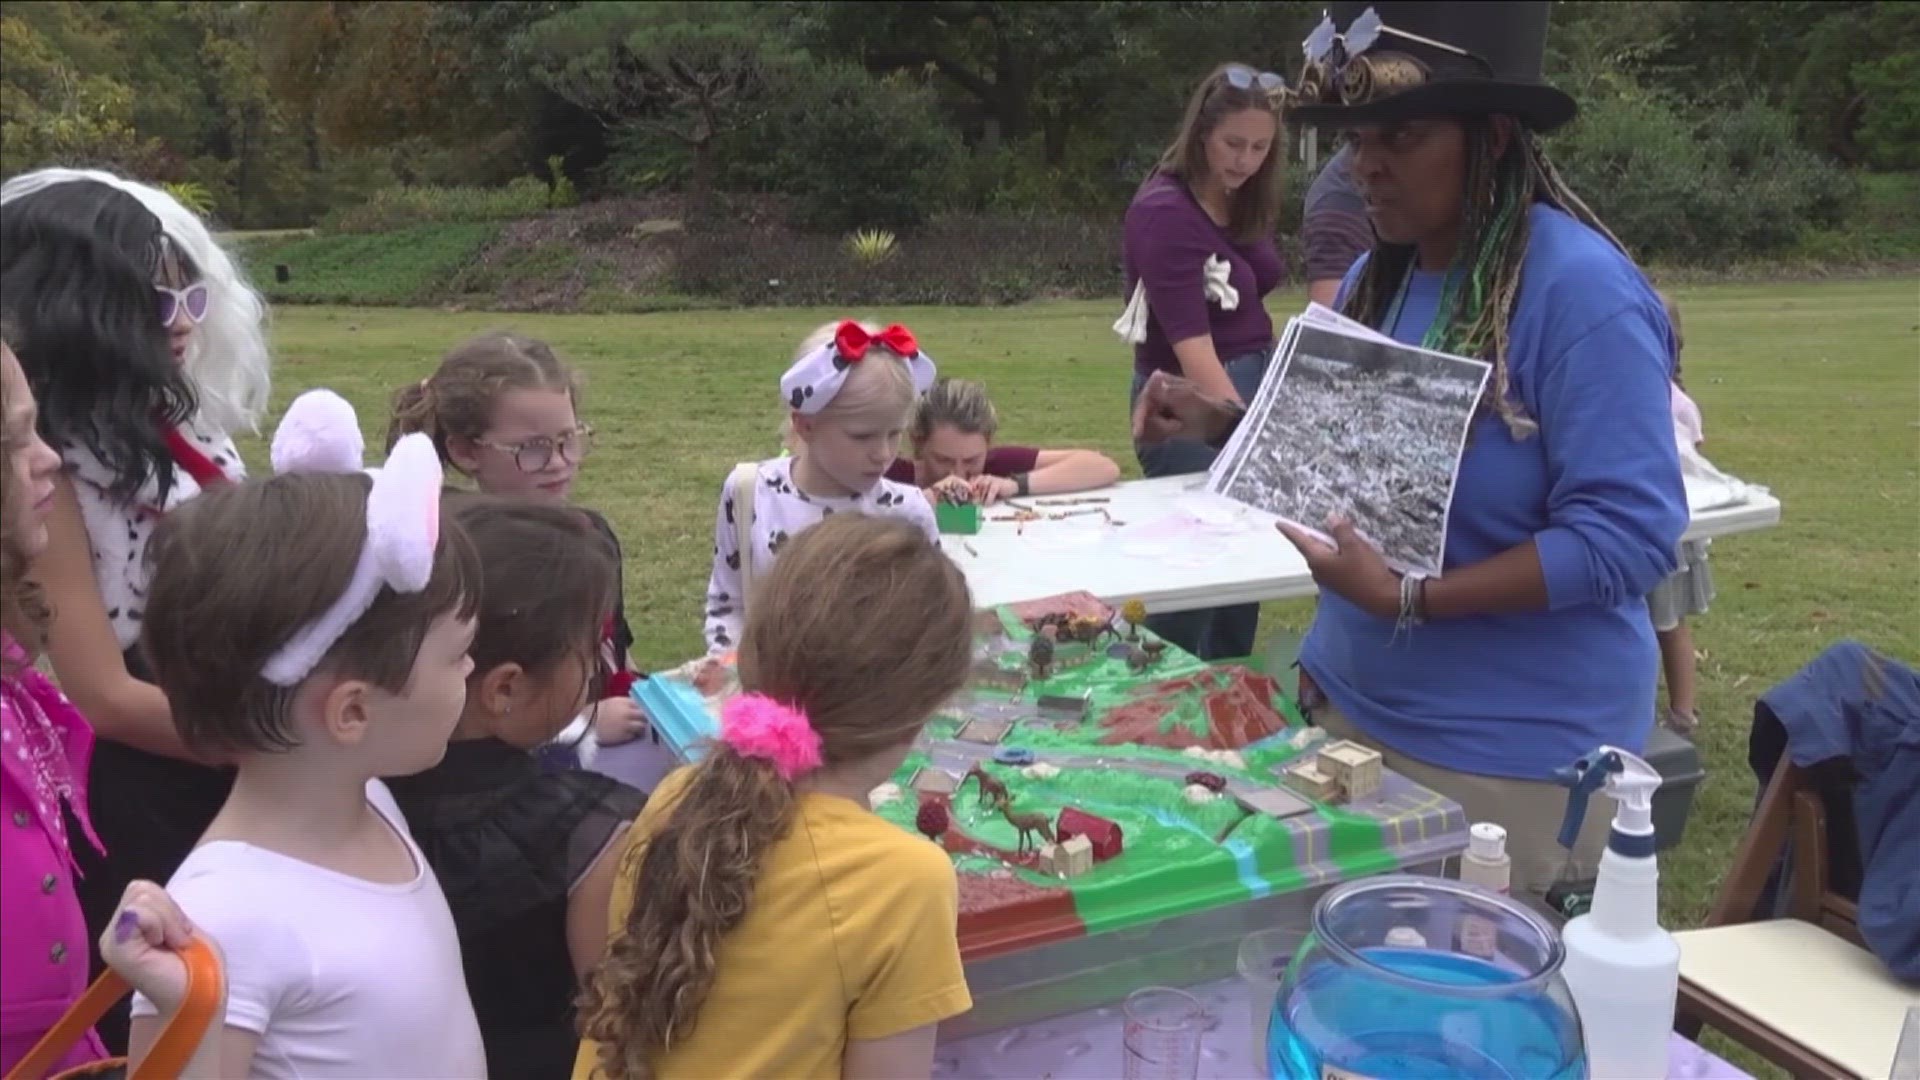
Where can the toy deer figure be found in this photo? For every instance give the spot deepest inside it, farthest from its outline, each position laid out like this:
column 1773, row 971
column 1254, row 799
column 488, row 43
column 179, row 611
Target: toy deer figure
column 991, row 790
column 1028, row 824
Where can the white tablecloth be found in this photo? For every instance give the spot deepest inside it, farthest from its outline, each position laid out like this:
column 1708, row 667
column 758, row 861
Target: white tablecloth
column 1176, row 547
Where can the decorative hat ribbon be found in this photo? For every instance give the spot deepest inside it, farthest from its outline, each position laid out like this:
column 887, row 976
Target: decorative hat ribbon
column 321, row 434
column 852, row 340
column 815, row 378
column 757, row 726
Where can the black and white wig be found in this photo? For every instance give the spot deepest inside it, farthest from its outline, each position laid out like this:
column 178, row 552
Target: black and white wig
column 78, row 262
column 227, row 357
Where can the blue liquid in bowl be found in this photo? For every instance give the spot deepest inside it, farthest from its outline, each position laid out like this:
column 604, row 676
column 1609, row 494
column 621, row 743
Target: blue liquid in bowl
column 1348, row 1023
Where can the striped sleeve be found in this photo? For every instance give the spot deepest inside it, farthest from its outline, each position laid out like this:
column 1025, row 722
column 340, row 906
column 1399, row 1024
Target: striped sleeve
column 1334, row 236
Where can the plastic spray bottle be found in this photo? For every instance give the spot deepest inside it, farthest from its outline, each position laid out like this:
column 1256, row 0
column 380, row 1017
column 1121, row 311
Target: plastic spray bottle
column 1623, row 969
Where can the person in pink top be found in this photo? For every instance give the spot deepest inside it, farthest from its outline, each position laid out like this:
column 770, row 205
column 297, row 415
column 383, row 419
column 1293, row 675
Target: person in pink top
column 43, row 954
column 43, row 793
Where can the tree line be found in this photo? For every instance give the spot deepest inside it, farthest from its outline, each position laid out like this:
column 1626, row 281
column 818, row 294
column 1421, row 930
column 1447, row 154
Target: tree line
column 1705, row 117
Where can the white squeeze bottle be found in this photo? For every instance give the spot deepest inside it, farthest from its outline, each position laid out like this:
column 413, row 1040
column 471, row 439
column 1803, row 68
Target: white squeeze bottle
column 1486, row 862
column 1623, row 969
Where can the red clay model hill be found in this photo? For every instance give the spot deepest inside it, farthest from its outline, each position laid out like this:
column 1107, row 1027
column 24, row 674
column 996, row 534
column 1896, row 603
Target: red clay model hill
column 1237, row 702
column 1084, row 604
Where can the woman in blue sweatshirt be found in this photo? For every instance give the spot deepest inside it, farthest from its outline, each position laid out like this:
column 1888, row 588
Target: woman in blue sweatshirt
column 1533, row 646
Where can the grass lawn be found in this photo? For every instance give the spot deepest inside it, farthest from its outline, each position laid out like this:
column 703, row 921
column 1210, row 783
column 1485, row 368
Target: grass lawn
column 1812, row 389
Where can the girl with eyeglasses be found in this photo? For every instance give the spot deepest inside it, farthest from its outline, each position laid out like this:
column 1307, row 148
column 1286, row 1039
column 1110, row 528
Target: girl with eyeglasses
column 1200, row 256
column 503, row 410
column 146, row 349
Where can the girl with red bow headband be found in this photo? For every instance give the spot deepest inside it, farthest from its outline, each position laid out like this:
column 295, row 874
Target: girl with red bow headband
column 848, row 394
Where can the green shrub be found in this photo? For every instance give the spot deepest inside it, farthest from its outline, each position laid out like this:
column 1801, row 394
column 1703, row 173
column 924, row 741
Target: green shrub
column 395, row 208
column 560, row 189
column 1735, row 185
column 850, row 152
column 408, row 266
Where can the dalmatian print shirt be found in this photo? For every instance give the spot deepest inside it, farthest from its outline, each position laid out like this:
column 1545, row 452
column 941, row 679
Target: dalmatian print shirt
column 781, row 511
column 118, row 532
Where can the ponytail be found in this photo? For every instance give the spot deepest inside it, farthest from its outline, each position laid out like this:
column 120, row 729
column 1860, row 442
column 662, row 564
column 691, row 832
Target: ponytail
column 413, row 411
column 699, row 870
column 459, row 397
column 857, row 634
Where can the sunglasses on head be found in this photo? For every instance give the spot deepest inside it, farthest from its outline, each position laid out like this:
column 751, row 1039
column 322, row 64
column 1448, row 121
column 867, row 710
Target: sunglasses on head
column 1242, row 77
column 192, row 300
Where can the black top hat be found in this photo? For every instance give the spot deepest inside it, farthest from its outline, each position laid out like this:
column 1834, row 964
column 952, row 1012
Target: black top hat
column 1369, row 63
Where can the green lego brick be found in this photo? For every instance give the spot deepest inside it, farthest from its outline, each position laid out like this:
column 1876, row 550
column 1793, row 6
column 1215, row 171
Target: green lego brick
column 963, row 518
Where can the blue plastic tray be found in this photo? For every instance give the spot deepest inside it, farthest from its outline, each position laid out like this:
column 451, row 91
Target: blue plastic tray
column 679, row 714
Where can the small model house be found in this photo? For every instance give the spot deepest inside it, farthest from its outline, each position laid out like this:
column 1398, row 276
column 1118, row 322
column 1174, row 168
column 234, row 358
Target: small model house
column 1354, row 767
column 1306, row 776
column 1104, row 835
column 1068, row 858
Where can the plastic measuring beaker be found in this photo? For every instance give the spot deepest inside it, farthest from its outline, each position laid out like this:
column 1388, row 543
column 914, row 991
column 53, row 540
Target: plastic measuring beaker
column 1264, row 956
column 1161, row 1040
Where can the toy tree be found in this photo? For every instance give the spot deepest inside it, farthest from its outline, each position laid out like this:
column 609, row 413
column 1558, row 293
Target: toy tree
column 933, row 820
column 1135, row 613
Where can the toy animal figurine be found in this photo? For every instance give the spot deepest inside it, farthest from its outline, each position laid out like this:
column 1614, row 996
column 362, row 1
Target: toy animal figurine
column 1040, row 655
column 1028, row 824
column 1137, row 659
column 991, row 790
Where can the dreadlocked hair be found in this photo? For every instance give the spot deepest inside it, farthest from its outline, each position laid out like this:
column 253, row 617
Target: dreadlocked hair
column 865, row 626
column 1476, row 303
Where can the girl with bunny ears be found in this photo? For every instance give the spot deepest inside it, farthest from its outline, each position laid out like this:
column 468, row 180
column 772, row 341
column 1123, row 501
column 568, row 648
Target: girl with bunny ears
column 849, row 393
column 314, row 627
column 767, row 922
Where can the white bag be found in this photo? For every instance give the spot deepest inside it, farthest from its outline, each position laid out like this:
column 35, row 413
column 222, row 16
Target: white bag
column 1132, row 324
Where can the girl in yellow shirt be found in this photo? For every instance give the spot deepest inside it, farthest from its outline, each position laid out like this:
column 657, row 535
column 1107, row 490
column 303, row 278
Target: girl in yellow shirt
column 765, row 921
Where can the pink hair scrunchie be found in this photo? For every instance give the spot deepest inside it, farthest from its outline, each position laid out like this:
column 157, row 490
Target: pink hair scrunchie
column 757, row 726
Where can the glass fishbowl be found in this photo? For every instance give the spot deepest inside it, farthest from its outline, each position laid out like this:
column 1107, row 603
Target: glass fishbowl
column 1410, row 978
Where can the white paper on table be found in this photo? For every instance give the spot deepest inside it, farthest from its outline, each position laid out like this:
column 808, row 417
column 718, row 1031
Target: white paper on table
column 1707, row 487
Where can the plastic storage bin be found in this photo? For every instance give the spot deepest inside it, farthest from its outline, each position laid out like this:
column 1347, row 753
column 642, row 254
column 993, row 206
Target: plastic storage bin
column 1680, row 774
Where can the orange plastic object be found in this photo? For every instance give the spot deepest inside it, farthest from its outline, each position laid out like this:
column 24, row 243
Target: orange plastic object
column 171, row 1051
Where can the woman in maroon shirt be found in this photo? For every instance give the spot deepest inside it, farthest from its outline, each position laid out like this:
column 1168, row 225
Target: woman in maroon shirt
column 1212, row 199
column 951, row 439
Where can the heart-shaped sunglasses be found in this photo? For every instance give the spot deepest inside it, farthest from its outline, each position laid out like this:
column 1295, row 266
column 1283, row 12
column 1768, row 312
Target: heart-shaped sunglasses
column 192, row 300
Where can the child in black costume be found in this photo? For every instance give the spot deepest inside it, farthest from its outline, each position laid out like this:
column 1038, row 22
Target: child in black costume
column 522, row 851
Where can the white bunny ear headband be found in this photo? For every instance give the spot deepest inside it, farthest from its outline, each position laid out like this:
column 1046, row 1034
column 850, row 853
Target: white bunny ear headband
column 815, row 378
column 321, row 434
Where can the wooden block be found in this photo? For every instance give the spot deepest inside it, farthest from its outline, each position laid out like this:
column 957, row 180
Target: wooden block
column 1069, row 705
column 1050, row 860
column 1076, row 856
column 1354, row 767
column 933, row 782
column 1273, row 802
column 982, row 731
column 1307, row 777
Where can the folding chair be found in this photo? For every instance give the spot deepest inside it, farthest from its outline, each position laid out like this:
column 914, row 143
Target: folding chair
column 1801, row 991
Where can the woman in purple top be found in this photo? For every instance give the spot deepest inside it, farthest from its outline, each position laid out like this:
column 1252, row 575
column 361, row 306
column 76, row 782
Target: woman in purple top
column 1212, row 199
column 951, row 436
